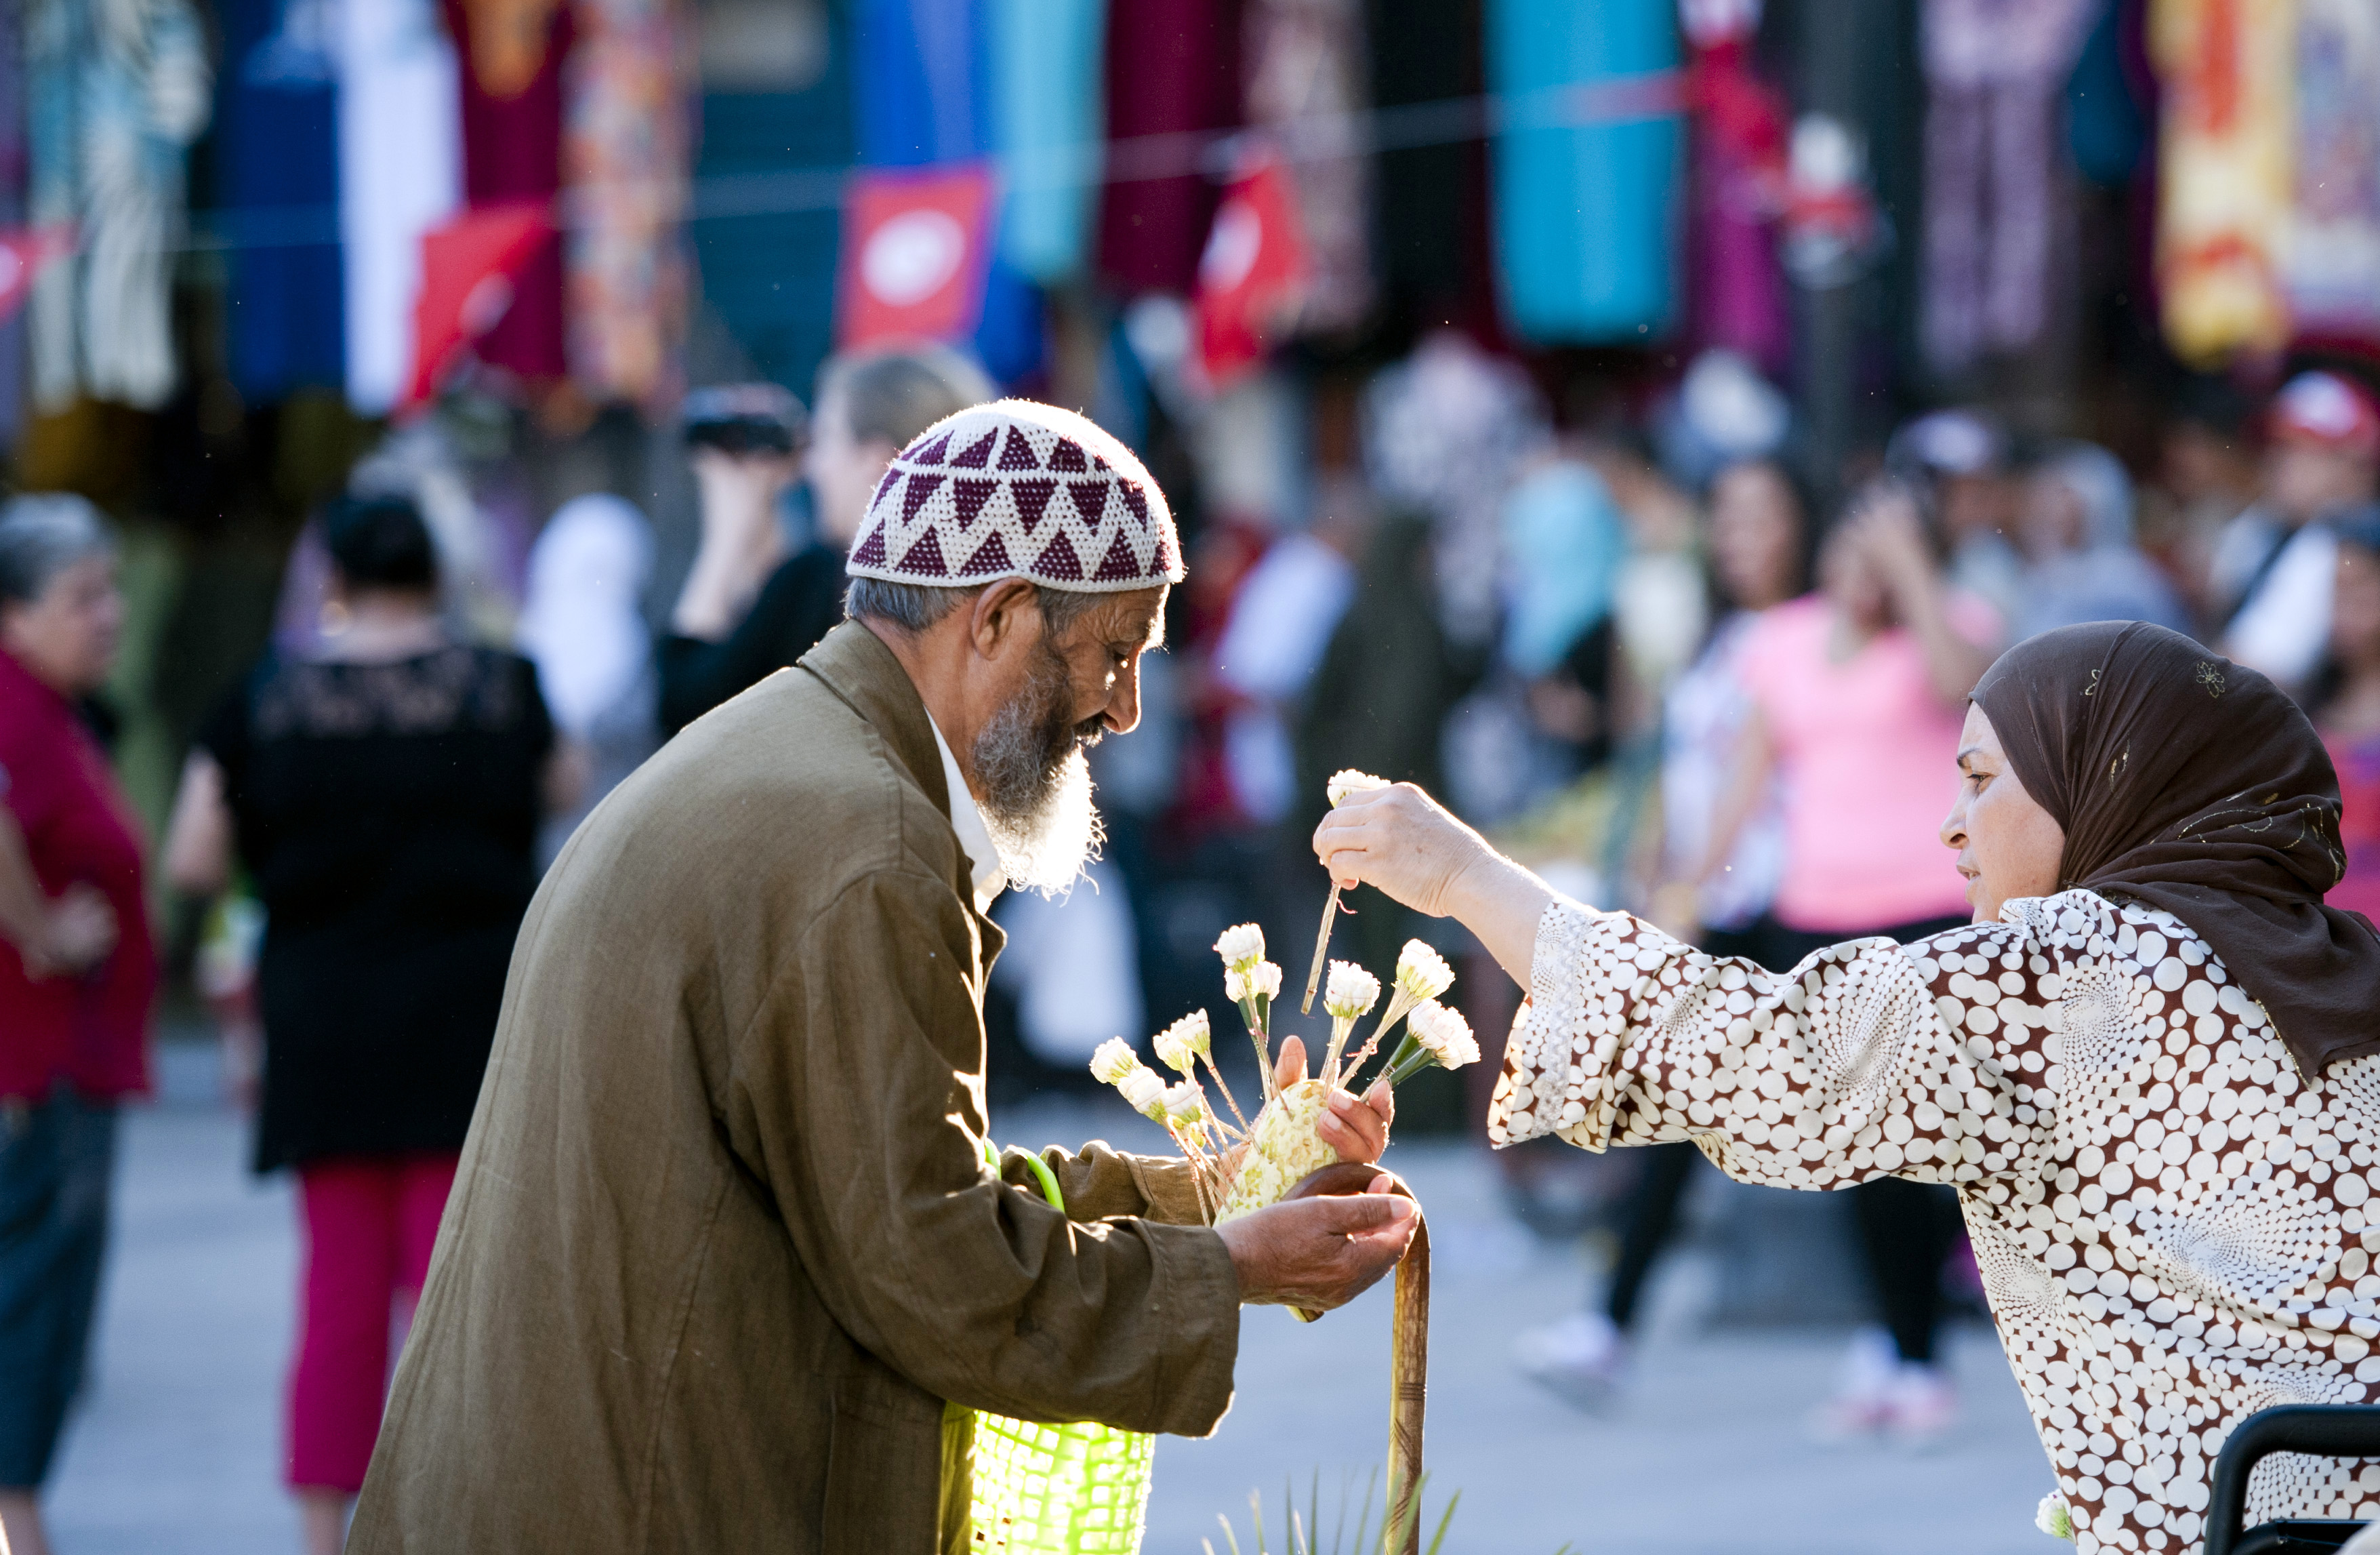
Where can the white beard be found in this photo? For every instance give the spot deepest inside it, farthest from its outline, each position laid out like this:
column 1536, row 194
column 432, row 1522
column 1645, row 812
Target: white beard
column 1046, row 851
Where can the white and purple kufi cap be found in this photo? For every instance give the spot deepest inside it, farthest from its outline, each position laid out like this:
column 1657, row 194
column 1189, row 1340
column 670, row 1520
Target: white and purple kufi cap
column 1017, row 488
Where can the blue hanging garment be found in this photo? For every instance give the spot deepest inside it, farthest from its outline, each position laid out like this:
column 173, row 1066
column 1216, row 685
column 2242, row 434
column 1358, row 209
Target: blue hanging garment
column 1047, row 97
column 1588, row 214
column 278, row 138
column 920, row 97
column 769, row 276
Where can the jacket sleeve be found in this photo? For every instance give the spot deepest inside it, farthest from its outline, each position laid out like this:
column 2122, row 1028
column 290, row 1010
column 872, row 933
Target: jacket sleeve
column 1932, row 1062
column 1099, row 1182
column 858, row 1095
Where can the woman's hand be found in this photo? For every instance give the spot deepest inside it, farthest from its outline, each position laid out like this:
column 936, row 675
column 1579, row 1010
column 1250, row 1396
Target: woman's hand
column 79, row 933
column 1410, row 846
column 1401, row 841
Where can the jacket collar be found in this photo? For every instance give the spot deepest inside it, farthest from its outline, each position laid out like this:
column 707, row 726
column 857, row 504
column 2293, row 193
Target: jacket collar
column 857, row 667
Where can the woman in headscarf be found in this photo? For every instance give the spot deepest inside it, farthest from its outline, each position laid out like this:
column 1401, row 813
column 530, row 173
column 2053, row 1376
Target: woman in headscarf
column 2081, row 562
column 2147, row 1066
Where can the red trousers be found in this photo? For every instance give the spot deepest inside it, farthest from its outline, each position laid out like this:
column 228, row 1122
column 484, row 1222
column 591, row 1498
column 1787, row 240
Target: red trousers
column 370, row 1224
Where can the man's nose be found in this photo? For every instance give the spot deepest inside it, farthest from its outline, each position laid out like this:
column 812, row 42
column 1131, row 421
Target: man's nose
column 1123, row 700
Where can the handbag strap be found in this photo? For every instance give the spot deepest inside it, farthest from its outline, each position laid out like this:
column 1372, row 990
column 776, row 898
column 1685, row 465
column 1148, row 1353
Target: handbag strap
column 1041, row 1169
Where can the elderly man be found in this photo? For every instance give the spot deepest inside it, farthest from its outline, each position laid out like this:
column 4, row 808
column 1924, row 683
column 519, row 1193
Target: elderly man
column 725, row 1258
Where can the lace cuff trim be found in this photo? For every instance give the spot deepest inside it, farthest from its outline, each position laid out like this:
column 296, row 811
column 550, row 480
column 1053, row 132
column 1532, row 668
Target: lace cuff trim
column 1541, row 1055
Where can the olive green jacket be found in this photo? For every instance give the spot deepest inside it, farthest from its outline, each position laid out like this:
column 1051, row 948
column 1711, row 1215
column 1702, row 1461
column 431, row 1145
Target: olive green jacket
column 724, row 1240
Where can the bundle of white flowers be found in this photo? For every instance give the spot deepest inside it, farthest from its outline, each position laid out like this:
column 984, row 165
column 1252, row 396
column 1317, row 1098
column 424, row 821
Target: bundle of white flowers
column 1244, row 1168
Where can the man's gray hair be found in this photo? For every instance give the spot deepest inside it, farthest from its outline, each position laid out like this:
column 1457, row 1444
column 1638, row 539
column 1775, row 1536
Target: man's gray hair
column 913, row 607
column 41, row 536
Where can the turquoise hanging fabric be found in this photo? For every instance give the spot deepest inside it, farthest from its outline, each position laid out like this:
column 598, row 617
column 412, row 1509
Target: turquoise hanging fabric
column 1586, row 168
column 1046, row 120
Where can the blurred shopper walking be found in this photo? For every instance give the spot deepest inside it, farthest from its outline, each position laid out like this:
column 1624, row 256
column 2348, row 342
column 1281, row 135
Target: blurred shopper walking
column 1758, row 544
column 1856, row 697
column 2077, row 531
column 2274, row 564
column 1962, row 467
column 384, row 797
column 2346, row 704
column 77, row 977
column 581, row 627
column 747, row 609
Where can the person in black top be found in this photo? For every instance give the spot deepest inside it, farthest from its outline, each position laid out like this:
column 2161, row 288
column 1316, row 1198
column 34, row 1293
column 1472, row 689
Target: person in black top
column 385, row 796
column 748, row 610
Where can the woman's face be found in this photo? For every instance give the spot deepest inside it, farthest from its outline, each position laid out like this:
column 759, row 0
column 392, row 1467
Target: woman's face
column 2009, row 846
column 1853, row 582
column 68, row 637
column 1755, row 528
column 2355, row 608
column 843, row 471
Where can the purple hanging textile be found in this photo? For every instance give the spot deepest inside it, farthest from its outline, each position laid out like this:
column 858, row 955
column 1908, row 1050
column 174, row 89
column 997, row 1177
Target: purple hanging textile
column 1996, row 74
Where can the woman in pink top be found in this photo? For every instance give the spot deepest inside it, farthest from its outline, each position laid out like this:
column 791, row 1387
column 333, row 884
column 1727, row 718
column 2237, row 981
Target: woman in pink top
column 1857, row 694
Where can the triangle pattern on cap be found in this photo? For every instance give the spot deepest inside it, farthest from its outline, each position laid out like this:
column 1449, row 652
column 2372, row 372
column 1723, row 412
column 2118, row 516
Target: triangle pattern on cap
column 925, row 558
column 1090, row 498
column 1018, row 453
column 920, row 488
column 1119, row 564
column 1032, row 496
column 891, row 473
column 872, row 550
column 1135, row 499
column 1068, row 455
column 991, row 559
column 1161, row 565
column 969, row 496
column 1059, row 561
column 932, row 452
column 977, row 454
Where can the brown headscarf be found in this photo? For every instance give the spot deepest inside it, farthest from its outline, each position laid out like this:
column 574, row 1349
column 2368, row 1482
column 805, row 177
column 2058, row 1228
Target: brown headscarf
column 2192, row 785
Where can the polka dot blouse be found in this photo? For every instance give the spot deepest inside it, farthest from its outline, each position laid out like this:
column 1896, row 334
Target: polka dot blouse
column 2170, row 1222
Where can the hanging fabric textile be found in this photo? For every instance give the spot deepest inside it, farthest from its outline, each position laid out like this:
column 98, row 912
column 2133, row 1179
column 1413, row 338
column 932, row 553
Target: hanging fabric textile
column 2333, row 251
column 1741, row 126
column 277, row 155
column 1432, row 200
column 12, row 210
column 776, row 106
column 2225, row 163
column 1996, row 76
column 1172, row 72
column 1586, row 166
column 627, row 156
column 922, row 98
column 513, row 53
column 1307, row 88
column 1047, row 111
column 400, row 175
column 119, row 90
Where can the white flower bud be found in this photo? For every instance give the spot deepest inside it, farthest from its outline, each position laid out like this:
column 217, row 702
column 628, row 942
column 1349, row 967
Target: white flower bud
column 1113, row 1060
column 1241, row 945
column 1144, row 1091
column 1444, row 1034
column 1351, row 991
column 1264, row 980
column 2052, row 1518
column 1179, row 1045
column 1348, row 781
column 1422, row 972
column 1185, row 1105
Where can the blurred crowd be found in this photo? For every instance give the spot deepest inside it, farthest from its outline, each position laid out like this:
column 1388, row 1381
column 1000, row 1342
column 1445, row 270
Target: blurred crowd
column 1633, row 634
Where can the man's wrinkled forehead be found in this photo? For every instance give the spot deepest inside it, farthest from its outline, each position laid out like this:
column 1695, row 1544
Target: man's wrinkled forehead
column 1127, row 620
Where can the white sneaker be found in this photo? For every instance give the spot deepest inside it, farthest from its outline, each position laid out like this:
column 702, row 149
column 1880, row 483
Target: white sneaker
column 1920, row 1405
column 1859, row 1405
column 1581, row 1359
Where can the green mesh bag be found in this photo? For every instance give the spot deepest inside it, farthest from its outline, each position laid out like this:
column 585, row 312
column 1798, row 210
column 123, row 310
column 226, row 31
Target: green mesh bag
column 1076, row 1489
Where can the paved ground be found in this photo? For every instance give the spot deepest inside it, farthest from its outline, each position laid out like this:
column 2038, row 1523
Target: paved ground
column 176, row 1450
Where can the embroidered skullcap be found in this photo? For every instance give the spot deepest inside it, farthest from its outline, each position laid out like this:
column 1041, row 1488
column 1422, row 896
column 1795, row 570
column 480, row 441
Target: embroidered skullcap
column 1017, row 488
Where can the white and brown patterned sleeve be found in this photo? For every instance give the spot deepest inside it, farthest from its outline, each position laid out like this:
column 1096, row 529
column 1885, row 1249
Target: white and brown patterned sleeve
column 1869, row 1059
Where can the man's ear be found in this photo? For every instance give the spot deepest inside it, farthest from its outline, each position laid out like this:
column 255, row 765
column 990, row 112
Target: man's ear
column 1006, row 615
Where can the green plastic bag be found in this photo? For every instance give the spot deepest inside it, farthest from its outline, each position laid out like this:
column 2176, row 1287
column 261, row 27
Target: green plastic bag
column 1075, row 1490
